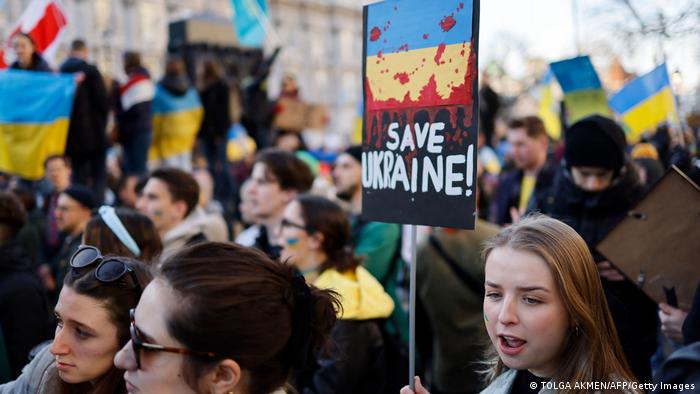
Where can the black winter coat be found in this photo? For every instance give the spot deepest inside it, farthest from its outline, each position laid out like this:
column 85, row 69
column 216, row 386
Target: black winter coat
column 593, row 215
column 217, row 118
column 88, row 120
column 356, row 363
column 25, row 317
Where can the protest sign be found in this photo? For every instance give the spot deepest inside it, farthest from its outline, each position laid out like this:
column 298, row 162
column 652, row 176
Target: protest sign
column 656, row 244
column 420, row 122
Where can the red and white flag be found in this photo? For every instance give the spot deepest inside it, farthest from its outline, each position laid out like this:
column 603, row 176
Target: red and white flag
column 44, row 21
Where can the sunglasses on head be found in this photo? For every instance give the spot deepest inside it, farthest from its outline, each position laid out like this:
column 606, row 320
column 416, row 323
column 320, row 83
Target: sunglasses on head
column 108, row 270
column 138, row 344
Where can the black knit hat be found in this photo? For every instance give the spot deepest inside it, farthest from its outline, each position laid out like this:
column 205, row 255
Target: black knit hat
column 355, row 151
column 83, row 195
column 595, row 141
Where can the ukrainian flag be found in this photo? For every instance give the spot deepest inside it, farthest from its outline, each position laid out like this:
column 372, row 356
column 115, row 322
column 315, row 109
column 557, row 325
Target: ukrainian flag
column 547, row 110
column 645, row 102
column 583, row 93
column 248, row 19
column 176, row 122
column 35, row 110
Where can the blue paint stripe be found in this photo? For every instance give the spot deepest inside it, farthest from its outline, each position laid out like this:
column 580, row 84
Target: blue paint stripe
column 407, row 21
column 35, row 97
column 576, row 74
column 640, row 89
column 165, row 102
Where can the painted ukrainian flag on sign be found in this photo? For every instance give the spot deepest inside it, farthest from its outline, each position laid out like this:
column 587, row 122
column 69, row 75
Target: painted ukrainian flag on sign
column 176, row 122
column 645, row 102
column 414, row 62
column 35, row 109
column 583, row 93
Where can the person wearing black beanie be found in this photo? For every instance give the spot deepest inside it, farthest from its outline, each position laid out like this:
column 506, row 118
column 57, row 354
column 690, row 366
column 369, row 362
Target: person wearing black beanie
column 594, row 152
column 592, row 191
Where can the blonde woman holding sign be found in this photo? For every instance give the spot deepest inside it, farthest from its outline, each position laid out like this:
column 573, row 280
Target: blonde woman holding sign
column 546, row 315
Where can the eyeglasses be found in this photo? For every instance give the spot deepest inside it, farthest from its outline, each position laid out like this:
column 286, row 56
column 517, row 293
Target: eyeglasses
column 289, row 223
column 137, row 344
column 109, row 269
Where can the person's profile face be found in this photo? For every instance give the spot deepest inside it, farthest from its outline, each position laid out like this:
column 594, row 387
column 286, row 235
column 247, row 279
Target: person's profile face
column 347, row 176
column 592, row 179
column 159, row 372
column 86, row 338
column 293, row 237
column 525, row 315
column 157, row 203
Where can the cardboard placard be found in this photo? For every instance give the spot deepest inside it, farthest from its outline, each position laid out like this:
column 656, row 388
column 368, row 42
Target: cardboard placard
column 420, row 122
column 657, row 245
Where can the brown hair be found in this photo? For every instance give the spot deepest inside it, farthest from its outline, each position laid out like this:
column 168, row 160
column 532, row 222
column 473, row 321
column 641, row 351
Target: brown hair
column 593, row 352
column 212, row 72
column 239, row 304
column 64, row 158
column 117, row 298
column 328, row 218
column 175, row 67
column 139, row 226
column 533, row 125
column 132, row 60
column 288, row 170
column 181, row 186
column 12, row 214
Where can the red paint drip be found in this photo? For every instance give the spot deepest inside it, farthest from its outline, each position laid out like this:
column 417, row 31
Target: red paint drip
column 425, row 36
column 402, row 78
column 403, row 47
column 461, row 6
column 380, row 53
column 438, row 55
column 447, row 23
column 374, row 34
column 462, row 52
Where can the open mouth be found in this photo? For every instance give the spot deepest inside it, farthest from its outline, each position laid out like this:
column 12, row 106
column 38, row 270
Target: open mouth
column 511, row 345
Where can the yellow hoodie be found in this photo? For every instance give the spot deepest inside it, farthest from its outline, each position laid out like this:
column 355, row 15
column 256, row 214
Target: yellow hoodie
column 361, row 295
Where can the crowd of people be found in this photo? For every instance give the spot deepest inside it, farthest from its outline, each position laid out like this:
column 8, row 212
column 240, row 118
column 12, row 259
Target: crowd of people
column 199, row 274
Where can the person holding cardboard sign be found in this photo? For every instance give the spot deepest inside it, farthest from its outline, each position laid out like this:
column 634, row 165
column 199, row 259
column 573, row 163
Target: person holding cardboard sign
column 592, row 191
column 546, row 314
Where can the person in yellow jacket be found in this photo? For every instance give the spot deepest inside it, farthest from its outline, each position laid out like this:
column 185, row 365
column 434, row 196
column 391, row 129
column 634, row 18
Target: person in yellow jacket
column 315, row 236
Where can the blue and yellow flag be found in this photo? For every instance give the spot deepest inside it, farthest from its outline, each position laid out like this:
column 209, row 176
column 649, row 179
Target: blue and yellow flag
column 176, row 122
column 583, row 93
column 645, row 102
column 35, row 110
column 548, row 108
column 248, row 19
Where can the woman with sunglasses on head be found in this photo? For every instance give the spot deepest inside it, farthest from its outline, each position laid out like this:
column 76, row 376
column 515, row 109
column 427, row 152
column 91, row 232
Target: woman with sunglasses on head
column 222, row 318
column 93, row 323
column 123, row 232
column 546, row 315
column 315, row 236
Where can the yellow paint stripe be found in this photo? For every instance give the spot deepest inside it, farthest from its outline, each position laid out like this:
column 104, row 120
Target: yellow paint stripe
column 419, row 65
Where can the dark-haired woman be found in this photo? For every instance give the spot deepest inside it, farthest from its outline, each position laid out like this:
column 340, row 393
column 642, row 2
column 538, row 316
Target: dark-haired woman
column 315, row 234
column 123, row 232
column 28, row 56
column 221, row 318
column 93, row 323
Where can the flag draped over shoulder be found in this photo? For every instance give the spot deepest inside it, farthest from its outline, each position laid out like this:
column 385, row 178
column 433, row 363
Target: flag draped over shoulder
column 248, row 19
column 645, row 102
column 583, row 92
column 35, row 109
column 176, row 121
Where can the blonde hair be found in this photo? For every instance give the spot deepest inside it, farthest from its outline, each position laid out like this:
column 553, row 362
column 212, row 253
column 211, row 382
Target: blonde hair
column 593, row 351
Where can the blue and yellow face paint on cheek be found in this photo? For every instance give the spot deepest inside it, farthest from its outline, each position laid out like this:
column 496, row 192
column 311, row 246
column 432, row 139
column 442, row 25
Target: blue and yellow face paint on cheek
column 486, row 318
column 292, row 242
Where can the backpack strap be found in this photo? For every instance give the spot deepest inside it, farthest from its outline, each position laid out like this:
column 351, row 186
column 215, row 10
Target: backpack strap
column 471, row 283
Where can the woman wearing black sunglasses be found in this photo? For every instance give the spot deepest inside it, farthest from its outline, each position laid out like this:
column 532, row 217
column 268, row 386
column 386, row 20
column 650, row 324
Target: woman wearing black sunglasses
column 221, row 318
column 93, row 323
